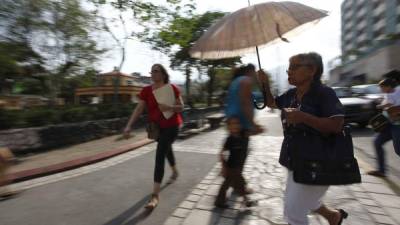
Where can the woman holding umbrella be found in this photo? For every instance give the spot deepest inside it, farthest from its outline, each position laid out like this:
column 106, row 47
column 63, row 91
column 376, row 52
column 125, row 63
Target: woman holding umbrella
column 304, row 72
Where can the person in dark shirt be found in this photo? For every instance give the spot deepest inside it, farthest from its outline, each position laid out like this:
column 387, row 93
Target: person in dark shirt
column 240, row 113
column 310, row 104
column 236, row 144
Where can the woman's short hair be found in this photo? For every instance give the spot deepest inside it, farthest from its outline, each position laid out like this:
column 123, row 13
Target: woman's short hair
column 242, row 70
column 163, row 72
column 313, row 59
column 388, row 82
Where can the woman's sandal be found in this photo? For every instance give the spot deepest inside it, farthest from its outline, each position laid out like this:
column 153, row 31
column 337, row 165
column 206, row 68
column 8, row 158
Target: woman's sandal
column 343, row 215
column 153, row 202
column 173, row 178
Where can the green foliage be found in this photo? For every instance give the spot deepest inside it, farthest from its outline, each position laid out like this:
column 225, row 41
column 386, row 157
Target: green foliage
column 10, row 119
column 181, row 33
column 17, row 61
column 69, row 84
column 71, row 26
column 43, row 116
column 40, row 117
column 50, row 38
column 29, row 86
column 223, row 78
column 76, row 114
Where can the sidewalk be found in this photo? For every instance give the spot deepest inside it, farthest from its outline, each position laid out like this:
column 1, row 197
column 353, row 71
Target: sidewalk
column 70, row 157
column 372, row 202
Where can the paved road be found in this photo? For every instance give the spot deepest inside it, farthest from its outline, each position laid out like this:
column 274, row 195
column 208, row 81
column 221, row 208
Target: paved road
column 111, row 192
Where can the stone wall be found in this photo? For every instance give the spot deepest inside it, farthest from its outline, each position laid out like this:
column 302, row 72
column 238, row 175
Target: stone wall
column 27, row 140
column 42, row 138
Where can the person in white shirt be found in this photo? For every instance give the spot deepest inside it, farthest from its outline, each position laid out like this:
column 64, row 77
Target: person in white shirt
column 390, row 87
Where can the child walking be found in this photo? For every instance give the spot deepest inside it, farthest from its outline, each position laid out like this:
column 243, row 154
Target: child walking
column 232, row 167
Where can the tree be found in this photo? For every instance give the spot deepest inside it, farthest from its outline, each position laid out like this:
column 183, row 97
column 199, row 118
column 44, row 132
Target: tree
column 56, row 34
column 18, row 59
column 181, row 33
column 68, row 86
column 71, row 43
column 144, row 15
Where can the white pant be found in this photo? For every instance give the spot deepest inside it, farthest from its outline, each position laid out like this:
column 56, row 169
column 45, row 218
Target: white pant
column 300, row 199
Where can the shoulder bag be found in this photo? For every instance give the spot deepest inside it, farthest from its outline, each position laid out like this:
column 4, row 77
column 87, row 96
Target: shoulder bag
column 153, row 130
column 379, row 122
column 324, row 160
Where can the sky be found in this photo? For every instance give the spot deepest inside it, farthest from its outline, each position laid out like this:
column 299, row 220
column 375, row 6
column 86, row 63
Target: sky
column 323, row 38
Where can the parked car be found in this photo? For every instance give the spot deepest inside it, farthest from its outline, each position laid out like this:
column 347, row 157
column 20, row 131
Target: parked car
column 369, row 91
column 358, row 108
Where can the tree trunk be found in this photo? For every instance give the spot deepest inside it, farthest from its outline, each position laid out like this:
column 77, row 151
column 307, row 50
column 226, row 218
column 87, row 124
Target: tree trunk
column 210, row 86
column 187, row 86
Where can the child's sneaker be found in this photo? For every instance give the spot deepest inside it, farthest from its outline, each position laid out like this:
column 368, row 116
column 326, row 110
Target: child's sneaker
column 222, row 205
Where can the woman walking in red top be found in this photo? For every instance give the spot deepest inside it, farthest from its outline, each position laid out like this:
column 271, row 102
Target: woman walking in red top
column 168, row 126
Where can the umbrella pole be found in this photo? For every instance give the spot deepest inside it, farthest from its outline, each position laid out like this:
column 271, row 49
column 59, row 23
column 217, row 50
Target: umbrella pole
column 258, row 55
column 258, row 58
column 262, row 84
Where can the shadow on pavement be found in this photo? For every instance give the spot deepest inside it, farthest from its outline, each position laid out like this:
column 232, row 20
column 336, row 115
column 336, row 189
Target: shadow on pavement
column 126, row 217
column 241, row 216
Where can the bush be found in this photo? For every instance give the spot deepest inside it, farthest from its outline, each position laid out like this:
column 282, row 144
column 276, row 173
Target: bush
column 76, row 114
column 42, row 116
column 10, row 119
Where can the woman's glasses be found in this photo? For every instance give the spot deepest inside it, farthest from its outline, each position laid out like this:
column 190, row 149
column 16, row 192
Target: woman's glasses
column 294, row 67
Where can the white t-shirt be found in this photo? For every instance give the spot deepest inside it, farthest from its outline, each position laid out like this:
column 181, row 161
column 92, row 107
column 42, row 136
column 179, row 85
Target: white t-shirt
column 392, row 98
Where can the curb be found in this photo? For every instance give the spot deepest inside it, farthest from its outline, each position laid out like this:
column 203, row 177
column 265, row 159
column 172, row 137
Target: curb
column 72, row 164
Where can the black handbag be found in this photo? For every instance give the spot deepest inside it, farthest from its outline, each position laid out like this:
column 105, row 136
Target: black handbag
column 153, row 130
column 323, row 160
column 379, row 122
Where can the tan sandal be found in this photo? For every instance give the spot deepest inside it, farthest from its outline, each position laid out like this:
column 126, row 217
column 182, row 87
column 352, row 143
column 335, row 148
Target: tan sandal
column 153, row 202
column 173, row 178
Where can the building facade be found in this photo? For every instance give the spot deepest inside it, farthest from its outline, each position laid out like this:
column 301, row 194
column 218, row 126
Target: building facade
column 112, row 87
column 369, row 40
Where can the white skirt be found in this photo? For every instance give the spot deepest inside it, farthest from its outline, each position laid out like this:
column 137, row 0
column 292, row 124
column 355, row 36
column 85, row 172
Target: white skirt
column 300, row 200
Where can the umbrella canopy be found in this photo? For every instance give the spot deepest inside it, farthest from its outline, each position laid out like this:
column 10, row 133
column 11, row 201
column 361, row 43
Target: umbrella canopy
column 239, row 32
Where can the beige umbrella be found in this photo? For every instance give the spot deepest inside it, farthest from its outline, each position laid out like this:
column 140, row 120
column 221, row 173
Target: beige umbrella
column 244, row 30
column 239, row 32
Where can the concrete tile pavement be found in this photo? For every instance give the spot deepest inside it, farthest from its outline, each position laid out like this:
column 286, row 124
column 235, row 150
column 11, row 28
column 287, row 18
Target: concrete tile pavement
column 371, row 202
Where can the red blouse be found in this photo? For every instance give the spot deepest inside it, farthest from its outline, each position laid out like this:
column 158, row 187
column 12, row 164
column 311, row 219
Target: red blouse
column 154, row 113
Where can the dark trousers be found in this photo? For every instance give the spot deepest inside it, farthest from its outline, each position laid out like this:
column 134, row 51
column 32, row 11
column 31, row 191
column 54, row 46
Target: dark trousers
column 396, row 138
column 234, row 172
column 164, row 150
column 233, row 178
column 379, row 141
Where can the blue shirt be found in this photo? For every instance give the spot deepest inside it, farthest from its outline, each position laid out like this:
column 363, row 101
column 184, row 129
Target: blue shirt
column 233, row 106
column 320, row 101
